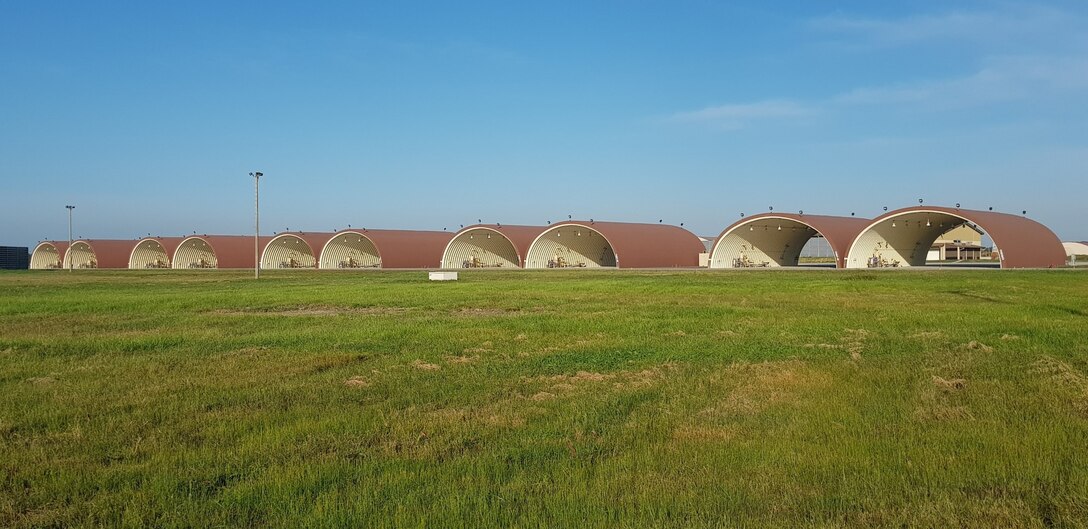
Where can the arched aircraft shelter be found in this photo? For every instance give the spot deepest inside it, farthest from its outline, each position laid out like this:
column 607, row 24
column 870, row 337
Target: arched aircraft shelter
column 293, row 250
column 776, row 239
column 216, row 251
column 579, row 244
column 490, row 246
column 153, row 252
column 364, row 248
column 48, row 255
column 903, row 238
column 99, row 254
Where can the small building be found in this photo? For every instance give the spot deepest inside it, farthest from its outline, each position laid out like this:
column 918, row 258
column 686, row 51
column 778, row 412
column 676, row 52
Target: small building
column 962, row 243
column 14, row 258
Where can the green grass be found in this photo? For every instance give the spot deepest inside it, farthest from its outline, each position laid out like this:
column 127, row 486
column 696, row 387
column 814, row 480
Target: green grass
column 544, row 399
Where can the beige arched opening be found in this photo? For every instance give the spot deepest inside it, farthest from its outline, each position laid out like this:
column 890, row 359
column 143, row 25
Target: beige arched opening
column 350, row 249
column 149, row 253
column 288, row 251
column 480, row 247
column 47, row 256
column 570, row 246
column 195, row 253
column 764, row 242
column 80, row 255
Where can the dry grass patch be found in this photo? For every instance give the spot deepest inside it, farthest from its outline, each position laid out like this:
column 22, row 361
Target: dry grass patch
column 1065, row 377
column 357, row 382
column 928, row 335
column 425, row 366
column 488, row 312
column 940, row 401
column 462, row 359
column 701, row 433
column 753, row 388
column 974, row 345
column 313, row 310
column 559, row 385
column 953, row 384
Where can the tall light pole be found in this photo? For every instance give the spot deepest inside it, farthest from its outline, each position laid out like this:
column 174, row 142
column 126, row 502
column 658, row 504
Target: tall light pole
column 70, row 208
column 256, row 223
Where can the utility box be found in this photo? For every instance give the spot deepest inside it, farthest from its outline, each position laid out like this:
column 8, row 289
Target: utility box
column 442, row 276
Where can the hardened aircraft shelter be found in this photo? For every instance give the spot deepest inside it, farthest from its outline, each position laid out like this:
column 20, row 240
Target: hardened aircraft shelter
column 490, row 246
column 903, row 238
column 293, row 250
column 364, row 248
column 216, row 251
column 581, row 244
column 48, row 255
column 153, row 252
column 101, row 253
column 776, row 239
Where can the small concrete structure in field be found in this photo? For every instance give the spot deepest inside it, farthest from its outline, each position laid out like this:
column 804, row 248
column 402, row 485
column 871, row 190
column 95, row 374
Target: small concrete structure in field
column 443, row 275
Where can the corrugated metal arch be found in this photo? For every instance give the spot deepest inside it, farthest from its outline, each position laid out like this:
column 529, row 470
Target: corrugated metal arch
column 384, row 249
column 620, row 245
column 48, row 255
column 217, row 251
column 903, row 237
column 350, row 249
column 293, row 250
column 776, row 239
column 490, row 246
column 99, row 253
column 153, row 252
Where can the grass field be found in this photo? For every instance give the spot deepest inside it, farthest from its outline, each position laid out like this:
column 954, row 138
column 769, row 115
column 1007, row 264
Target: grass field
column 544, row 399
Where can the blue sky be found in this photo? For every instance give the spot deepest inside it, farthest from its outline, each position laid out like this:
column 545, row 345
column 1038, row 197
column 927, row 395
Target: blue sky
column 148, row 116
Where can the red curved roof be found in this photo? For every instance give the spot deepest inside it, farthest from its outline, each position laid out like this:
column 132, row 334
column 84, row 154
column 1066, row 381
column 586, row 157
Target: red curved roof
column 60, row 246
column 316, row 241
column 1022, row 242
column 638, row 245
column 231, row 251
column 520, row 236
column 839, row 232
column 110, row 253
column 406, row 248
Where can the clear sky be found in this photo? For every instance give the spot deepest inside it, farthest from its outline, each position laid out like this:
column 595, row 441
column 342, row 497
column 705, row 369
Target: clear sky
column 148, row 116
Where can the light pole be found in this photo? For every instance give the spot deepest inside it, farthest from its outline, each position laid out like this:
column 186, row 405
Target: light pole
column 256, row 223
column 70, row 208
